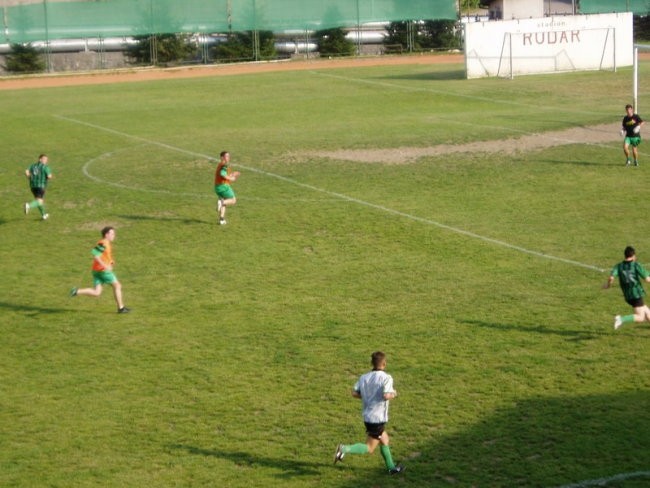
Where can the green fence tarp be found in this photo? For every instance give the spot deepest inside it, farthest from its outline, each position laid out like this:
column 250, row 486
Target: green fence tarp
column 638, row 7
column 51, row 19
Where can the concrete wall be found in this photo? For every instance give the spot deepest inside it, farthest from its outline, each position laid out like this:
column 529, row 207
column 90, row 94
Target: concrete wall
column 83, row 61
column 548, row 44
column 526, row 9
column 523, row 9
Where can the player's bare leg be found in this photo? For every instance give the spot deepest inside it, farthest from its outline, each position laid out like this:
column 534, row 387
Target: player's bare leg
column 642, row 314
column 117, row 293
column 226, row 203
column 91, row 292
column 373, row 442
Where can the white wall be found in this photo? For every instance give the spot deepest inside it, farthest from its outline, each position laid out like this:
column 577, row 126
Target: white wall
column 526, row 9
column 522, row 9
column 548, row 44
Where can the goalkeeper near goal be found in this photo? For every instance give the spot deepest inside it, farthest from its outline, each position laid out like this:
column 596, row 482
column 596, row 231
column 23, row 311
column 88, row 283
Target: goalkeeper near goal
column 631, row 129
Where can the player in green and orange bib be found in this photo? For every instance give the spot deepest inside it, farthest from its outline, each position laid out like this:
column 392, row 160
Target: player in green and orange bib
column 102, row 271
column 223, row 177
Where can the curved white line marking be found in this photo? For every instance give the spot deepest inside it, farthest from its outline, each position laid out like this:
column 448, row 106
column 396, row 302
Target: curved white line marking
column 605, row 481
column 343, row 197
column 86, row 172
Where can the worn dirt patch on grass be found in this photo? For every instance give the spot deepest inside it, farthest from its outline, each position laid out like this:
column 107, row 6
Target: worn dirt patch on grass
column 599, row 134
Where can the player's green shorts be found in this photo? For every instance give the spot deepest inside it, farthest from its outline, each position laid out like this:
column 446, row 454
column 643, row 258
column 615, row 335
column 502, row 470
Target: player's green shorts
column 224, row 191
column 103, row 278
column 633, row 141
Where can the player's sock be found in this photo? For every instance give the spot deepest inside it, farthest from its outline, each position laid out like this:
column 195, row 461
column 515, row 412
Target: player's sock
column 355, row 449
column 627, row 318
column 388, row 458
column 41, row 208
column 33, row 204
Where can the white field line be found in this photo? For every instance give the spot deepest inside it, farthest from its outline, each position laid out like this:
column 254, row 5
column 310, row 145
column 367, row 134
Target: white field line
column 86, row 171
column 454, row 120
column 342, row 197
column 447, row 93
column 606, row 481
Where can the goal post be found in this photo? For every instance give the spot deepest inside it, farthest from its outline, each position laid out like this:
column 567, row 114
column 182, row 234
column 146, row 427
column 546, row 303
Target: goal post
column 635, row 76
column 554, row 54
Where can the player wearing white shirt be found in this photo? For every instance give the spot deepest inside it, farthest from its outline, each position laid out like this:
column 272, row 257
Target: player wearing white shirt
column 375, row 389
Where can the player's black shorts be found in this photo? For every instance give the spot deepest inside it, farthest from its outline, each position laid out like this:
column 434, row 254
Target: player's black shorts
column 635, row 302
column 38, row 192
column 374, row 430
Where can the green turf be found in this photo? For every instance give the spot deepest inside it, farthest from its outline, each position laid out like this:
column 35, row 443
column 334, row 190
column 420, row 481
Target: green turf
column 478, row 274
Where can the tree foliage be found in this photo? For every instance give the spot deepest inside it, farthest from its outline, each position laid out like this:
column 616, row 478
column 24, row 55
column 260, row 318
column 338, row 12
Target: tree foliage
column 166, row 48
column 24, row 58
column 441, row 34
column 397, row 35
column 641, row 28
column 240, row 46
column 428, row 34
column 471, row 4
column 332, row 42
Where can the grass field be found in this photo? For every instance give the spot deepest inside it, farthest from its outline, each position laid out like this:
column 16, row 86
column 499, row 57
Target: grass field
column 478, row 274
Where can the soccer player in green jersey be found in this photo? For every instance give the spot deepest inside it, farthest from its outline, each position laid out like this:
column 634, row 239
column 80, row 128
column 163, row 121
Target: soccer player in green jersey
column 374, row 389
column 38, row 175
column 631, row 129
column 630, row 276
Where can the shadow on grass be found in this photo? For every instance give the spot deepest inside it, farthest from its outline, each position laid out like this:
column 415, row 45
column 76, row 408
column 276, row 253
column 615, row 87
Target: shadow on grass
column 455, row 74
column 142, row 218
column 31, row 309
column 577, row 335
column 290, row 468
column 537, row 442
column 565, row 162
column 544, row 442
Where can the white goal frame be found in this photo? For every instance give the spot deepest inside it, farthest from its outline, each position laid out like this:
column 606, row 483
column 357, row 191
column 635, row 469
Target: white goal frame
column 560, row 60
column 548, row 45
column 635, row 83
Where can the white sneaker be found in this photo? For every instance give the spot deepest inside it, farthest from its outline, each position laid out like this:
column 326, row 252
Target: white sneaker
column 618, row 321
column 26, row 208
column 46, row 216
column 338, row 454
column 222, row 222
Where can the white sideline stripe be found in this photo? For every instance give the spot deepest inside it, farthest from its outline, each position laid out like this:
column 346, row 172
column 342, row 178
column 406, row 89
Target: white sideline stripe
column 85, row 170
column 448, row 93
column 344, row 197
column 473, row 97
column 605, row 481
